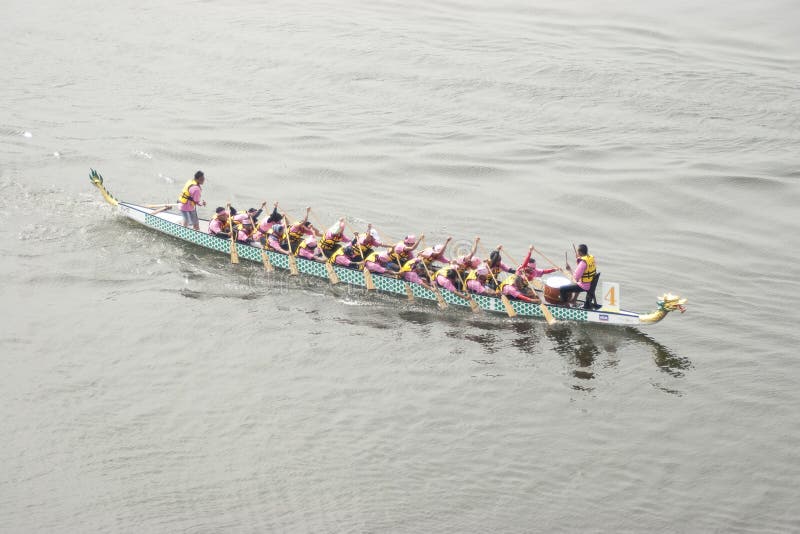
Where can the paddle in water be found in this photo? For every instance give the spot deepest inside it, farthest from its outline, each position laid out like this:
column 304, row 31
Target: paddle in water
column 234, row 252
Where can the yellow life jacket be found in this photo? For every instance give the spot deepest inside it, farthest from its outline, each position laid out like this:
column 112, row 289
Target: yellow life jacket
column 373, row 257
column 304, row 244
column 339, row 251
column 279, row 238
column 399, row 257
column 328, row 245
column 473, row 275
column 361, row 251
column 510, row 279
column 591, row 270
column 295, row 236
column 185, row 195
column 409, row 265
column 226, row 224
column 443, row 272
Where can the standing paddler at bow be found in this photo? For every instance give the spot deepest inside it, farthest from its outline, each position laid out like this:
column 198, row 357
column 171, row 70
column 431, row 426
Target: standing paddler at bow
column 190, row 199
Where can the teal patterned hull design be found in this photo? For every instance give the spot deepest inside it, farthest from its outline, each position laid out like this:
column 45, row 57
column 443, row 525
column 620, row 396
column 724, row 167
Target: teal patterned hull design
column 169, row 223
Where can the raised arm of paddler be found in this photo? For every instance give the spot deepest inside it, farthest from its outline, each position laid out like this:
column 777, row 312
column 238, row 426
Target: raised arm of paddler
column 495, row 262
column 436, row 252
column 275, row 216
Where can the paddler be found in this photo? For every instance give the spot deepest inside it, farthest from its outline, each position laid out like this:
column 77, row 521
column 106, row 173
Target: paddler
column 363, row 245
column 275, row 239
column 414, row 271
column 333, row 239
column 516, row 286
column 220, row 225
column 308, row 248
column 585, row 271
column 190, row 199
column 478, row 281
column 447, row 278
column 251, row 213
column 528, row 267
column 380, row 262
column 345, row 256
column 404, row 250
column 299, row 230
column 435, row 254
column 245, row 234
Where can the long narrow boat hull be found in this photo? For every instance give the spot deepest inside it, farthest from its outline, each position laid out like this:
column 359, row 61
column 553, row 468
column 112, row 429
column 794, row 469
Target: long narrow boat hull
column 171, row 224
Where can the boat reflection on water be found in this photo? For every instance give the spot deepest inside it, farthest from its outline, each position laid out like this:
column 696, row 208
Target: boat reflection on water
column 583, row 345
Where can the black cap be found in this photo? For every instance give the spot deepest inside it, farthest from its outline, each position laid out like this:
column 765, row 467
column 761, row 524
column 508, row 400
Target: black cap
column 199, row 174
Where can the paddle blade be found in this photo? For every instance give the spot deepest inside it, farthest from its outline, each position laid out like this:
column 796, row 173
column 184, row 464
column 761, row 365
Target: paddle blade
column 547, row 314
column 474, row 305
column 368, row 279
column 332, row 276
column 234, row 253
column 440, row 299
column 292, row 265
column 267, row 264
column 409, row 292
column 509, row 307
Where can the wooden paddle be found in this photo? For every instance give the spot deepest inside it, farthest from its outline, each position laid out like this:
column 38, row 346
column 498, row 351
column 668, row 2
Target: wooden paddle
column 159, row 210
column 568, row 274
column 409, row 291
column 472, row 304
column 154, row 206
column 234, row 253
column 332, row 276
column 548, row 315
column 367, row 275
column 292, row 260
column 504, row 299
column 439, row 297
column 264, row 256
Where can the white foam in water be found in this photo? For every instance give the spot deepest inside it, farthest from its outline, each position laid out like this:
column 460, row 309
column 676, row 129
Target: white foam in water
column 166, row 178
column 27, row 134
column 57, row 154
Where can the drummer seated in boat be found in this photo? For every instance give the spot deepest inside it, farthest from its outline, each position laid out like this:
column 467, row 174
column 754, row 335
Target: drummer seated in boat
column 585, row 271
column 308, row 249
column 220, row 225
column 478, row 281
column 516, row 287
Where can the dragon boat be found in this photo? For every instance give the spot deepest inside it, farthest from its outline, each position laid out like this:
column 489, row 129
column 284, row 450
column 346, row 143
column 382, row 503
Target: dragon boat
column 171, row 224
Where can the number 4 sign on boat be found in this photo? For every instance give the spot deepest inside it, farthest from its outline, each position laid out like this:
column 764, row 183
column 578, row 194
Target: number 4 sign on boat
column 610, row 296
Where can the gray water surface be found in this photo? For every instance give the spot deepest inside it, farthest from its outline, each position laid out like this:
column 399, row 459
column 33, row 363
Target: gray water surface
column 148, row 385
